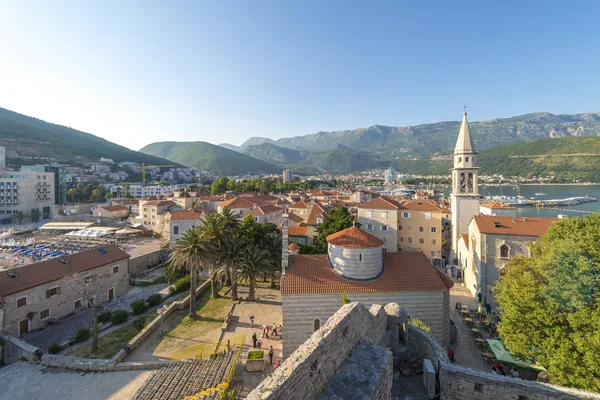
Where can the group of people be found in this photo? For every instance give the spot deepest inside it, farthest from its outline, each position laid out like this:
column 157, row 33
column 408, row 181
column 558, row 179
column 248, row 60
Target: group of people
column 498, row 369
column 257, row 343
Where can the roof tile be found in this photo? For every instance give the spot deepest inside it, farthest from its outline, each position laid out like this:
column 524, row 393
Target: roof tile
column 513, row 225
column 354, row 238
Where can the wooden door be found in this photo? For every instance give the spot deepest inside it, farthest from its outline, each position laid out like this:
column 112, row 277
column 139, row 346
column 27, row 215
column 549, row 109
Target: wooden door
column 111, row 294
column 23, row 327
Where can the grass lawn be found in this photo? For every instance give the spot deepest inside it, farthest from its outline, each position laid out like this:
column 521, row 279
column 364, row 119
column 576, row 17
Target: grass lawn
column 181, row 331
column 110, row 344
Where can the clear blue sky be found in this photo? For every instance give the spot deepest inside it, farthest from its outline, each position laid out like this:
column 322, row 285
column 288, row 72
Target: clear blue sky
column 135, row 72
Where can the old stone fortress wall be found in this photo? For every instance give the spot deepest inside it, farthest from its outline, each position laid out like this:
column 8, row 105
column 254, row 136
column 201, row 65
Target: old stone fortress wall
column 353, row 334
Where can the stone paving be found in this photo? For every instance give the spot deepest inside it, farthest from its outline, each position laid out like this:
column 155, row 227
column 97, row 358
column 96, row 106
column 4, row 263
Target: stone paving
column 22, row 380
column 466, row 351
column 267, row 310
column 65, row 327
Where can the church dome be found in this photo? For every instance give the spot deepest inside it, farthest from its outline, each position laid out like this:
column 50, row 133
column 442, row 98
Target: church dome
column 355, row 254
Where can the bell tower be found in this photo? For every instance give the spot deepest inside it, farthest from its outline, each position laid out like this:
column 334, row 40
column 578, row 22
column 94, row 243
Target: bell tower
column 465, row 195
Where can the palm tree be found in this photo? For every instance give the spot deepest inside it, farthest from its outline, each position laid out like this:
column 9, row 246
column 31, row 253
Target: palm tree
column 72, row 193
column 272, row 243
column 256, row 262
column 234, row 256
column 194, row 252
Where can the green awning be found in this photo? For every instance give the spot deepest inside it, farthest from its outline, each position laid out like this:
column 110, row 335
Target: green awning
column 504, row 356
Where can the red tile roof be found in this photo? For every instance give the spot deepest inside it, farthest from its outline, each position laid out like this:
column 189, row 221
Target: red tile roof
column 498, row 204
column 354, row 238
column 465, row 237
column 114, row 208
column 181, row 215
column 159, row 203
column 237, row 202
column 403, row 272
column 262, row 210
column 513, row 225
column 382, row 202
column 315, row 211
column 421, row 205
column 33, row 275
column 298, row 231
column 293, row 247
column 300, row 204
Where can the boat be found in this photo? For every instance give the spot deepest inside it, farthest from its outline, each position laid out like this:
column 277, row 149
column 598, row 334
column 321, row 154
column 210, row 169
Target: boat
column 540, row 194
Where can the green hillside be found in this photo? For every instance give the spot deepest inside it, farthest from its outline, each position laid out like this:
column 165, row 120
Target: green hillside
column 339, row 159
column 208, row 157
column 36, row 138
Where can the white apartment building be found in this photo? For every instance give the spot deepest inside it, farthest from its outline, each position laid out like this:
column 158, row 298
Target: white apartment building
column 147, row 190
column 31, row 193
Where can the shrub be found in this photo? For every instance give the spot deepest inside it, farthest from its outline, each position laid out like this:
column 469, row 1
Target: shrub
column 82, row 334
column 154, row 299
column 119, row 316
column 104, row 317
column 173, row 274
column 345, row 299
column 256, row 354
column 181, row 285
column 419, row 324
column 138, row 306
column 54, row 348
column 139, row 323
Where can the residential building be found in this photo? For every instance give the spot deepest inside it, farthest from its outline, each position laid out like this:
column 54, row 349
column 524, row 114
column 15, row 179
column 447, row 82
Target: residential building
column 379, row 217
column 112, row 212
column 489, row 243
column 498, row 208
column 420, row 228
column 2, row 157
column 390, row 176
column 60, row 180
column 356, row 265
column 147, row 190
column 266, row 213
column 36, row 294
column 152, row 211
column 464, row 196
column 288, row 175
column 180, row 222
column 31, row 193
column 237, row 205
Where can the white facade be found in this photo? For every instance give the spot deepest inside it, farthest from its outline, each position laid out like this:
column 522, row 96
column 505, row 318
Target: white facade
column 390, row 176
column 31, row 193
column 465, row 196
column 356, row 263
column 2, row 157
column 148, row 190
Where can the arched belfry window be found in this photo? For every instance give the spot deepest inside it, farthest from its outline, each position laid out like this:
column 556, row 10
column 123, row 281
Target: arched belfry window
column 316, row 324
column 504, row 251
column 459, row 159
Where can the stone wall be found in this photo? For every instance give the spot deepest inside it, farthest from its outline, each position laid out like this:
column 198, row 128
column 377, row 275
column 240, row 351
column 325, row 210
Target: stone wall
column 360, row 263
column 308, row 371
column 146, row 261
column 13, row 349
column 459, row 383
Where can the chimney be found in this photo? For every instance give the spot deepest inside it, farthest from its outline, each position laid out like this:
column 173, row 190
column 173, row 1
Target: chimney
column 514, row 220
column 285, row 259
column 524, row 219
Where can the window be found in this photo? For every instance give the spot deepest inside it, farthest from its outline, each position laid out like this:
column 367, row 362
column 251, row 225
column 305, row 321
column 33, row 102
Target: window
column 466, row 159
column 421, row 229
column 427, row 216
column 316, row 325
column 433, row 229
column 256, row 219
column 369, row 214
column 45, row 314
column 176, row 230
column 405, row 214
column 319, row 221
column 53, row 291
column 433, row 241
column 409, row 240
column 77, row 304
column 370, row 227
column 504, row 251
column 409, row 228
column 421, row 241
column 459, row 159
column 22, row 302
column 401, row 239
column 115, row 269
column 384, row 227
column 384, row 215
column 400, row 227
column 433, row 253
column 360, row 257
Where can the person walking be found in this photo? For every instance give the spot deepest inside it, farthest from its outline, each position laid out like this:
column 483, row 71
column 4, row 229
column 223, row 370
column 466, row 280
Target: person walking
column 252, row 321
column 254, row 339
column 271, row 354
column 274, row 333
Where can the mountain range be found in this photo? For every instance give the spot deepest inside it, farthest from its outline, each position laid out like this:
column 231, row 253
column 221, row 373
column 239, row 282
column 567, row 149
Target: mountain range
column 32, row 137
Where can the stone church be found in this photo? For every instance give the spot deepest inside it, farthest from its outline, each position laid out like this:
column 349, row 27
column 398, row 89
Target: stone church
column 357, row 266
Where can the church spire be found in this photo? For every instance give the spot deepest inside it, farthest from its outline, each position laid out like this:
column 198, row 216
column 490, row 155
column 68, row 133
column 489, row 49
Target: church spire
column 464, row 144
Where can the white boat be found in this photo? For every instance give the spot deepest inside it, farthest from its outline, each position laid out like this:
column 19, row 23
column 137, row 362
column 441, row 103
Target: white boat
column 540, row 194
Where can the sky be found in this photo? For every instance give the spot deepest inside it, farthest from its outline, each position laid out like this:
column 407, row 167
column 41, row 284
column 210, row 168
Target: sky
column 137, row 72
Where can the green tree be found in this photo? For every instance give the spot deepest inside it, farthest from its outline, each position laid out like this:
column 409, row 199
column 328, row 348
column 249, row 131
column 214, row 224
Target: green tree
column 337, row 220
column 219, row 186
column 549, row 303
column 256, row 262
column 194, row 252
column 234, row 256
column 72, row 193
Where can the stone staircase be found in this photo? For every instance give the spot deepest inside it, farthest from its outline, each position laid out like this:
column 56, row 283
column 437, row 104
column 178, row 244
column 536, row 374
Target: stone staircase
column 188, row 377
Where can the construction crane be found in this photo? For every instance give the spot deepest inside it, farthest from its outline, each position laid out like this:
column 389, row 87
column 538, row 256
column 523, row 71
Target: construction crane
column 152, row 166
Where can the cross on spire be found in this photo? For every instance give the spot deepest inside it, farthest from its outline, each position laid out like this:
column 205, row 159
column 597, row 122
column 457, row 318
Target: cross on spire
column 464, row 108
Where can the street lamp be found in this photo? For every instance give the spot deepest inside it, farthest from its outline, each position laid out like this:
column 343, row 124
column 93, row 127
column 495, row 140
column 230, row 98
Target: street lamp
column 161, row 311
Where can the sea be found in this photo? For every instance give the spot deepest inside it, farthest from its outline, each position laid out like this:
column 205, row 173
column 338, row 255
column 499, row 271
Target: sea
column 544, row 192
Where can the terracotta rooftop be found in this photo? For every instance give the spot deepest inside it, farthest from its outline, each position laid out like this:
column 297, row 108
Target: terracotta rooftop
column 300, row 204
column 354, row 238
column 382, row 202
column 33, row 275
column 159, row 203
column 498, row 204
column 114, row 208
column 293, row 247
column 513, row 225
column 297, row 231
column 181, row 215
column 403, row 272
column 237, row 202
column 315, row 211
column 267, row 209
column 421, row 205
column 465, row 237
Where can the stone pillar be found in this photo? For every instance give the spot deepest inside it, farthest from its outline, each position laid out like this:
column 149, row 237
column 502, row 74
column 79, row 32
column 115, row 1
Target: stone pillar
column 285, row 258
